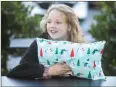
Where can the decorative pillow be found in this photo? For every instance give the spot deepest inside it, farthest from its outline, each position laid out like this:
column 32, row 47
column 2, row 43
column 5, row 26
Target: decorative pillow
column 83, row 58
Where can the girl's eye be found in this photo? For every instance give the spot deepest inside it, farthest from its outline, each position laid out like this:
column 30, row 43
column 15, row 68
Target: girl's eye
column 48, row 22
column 58, row 22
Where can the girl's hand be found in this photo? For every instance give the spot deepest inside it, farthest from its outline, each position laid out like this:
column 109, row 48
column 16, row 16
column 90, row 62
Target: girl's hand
column 58, row 69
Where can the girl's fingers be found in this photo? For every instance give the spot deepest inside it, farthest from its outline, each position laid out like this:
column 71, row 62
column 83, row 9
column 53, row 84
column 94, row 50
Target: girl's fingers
column 65, row 71
column 66, row 67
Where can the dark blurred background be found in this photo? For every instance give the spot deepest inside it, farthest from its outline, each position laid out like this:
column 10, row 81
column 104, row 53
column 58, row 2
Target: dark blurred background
column 21, row 20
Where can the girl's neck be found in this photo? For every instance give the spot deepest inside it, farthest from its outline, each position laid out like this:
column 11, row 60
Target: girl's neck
column 60, row 39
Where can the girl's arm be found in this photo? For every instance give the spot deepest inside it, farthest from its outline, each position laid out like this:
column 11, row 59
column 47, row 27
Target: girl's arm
column 29, row 67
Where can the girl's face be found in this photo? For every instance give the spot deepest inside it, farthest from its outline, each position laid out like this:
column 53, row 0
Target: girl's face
column 57, row 27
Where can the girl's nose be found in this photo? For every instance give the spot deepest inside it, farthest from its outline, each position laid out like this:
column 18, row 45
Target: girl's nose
column 52, row 25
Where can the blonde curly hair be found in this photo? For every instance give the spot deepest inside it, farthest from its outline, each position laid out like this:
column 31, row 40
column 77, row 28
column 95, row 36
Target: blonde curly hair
column 74, row 31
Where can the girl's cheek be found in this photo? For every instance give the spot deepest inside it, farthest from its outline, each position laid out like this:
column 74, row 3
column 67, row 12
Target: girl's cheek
column 47, row 27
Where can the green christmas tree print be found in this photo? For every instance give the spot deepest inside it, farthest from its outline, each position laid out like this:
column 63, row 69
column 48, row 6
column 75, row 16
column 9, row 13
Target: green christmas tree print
column 78, row 62
column 41, row 40
column 94, row 51
column 85, row 64
column 87, row 59
column 79, row 74
column 62, row 51
column 57, row 59
column 56, row 51
column 89, row 75
column 48, row 62
column 65, row 43
column 88, row 52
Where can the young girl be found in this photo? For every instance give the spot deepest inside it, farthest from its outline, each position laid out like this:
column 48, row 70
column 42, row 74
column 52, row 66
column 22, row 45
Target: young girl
column 59, row 23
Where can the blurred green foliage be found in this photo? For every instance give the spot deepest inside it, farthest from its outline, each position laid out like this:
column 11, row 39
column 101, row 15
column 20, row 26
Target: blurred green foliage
column 105, row 29
column 17, row 23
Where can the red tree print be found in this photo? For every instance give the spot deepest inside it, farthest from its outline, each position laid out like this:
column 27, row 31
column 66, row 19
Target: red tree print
column 94, row 65
column 41, row 53
column 101, row 52
column 72, row 53
column 49, row 42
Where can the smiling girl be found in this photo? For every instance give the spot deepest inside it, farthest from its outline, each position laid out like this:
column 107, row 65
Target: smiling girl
column 59, row 23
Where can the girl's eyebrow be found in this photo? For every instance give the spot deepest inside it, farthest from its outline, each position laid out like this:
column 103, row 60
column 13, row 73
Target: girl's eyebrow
column 56, row 20
column 48, row 19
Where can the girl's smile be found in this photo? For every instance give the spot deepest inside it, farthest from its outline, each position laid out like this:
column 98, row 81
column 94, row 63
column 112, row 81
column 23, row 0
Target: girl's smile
column 53, row 31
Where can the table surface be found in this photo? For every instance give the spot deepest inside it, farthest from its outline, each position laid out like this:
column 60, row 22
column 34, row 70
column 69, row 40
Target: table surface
column 57, row 82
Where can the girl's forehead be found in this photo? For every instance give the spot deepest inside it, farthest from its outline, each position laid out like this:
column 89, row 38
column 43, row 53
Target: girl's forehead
column 56, row 14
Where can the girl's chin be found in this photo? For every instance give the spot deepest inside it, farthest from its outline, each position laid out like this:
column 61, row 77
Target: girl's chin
column 55, row 38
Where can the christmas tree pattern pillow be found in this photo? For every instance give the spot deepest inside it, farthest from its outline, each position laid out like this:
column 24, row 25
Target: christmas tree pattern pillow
column 83, row 58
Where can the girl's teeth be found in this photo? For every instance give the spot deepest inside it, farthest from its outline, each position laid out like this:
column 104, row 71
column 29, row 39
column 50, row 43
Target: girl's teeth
column 53, row 31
